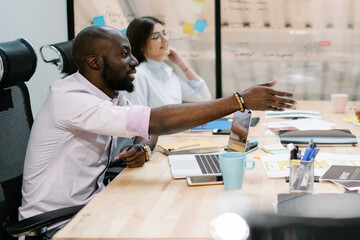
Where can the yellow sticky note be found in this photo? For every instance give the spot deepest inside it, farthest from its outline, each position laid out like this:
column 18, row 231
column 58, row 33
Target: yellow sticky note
column 196, row 6
column 200, row 0
column 188, row 28
column 352, row 119
column 85, row 25
column 261, row 154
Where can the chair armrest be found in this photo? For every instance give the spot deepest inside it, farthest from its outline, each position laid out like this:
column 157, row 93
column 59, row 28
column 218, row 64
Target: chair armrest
column 36, row 223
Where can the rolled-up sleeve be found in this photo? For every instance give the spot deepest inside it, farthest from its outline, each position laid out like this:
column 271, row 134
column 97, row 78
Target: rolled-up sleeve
column 137, row 121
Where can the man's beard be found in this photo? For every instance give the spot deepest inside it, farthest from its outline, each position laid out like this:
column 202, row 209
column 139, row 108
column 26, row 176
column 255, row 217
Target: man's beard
column 111, row 77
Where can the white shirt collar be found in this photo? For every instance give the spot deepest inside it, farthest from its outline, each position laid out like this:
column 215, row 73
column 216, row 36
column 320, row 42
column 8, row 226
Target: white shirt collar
column 160, row 66
column 96, row 90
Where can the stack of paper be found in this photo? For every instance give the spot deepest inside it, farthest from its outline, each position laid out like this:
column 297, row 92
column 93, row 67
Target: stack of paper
column 292, row 114
column 299, row 124
column 277, row 166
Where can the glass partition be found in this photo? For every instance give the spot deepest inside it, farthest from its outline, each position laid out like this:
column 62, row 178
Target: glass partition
column 195, row 43
column 311, row 47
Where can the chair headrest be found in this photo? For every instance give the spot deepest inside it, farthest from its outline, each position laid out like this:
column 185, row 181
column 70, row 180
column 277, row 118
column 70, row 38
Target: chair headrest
column 17, row 62
column 63, row 60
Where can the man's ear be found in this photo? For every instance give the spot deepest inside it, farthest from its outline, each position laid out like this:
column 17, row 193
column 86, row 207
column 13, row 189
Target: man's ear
column 94, row 62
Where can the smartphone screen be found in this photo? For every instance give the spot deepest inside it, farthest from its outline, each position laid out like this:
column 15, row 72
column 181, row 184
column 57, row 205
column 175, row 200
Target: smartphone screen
column 254, row 121
column 221, row 131
column 251, row 146
column 204, row 180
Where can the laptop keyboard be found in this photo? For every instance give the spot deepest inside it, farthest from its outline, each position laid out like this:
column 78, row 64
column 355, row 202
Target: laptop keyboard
column 208, row 163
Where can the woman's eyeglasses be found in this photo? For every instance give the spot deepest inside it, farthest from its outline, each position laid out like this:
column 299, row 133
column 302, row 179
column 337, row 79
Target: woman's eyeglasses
column 159, row 35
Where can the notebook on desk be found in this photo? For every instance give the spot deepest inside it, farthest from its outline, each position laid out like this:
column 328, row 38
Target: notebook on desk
column 185, row 165
column 331, row 137
column 222, row 123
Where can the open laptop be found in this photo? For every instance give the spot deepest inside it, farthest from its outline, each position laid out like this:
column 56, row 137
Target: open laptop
column 186, row 165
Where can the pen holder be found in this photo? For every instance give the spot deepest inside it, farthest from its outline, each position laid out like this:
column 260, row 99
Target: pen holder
column 301, row 177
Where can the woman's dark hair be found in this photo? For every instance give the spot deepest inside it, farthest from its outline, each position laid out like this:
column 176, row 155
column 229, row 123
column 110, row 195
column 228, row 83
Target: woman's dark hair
column 138, row 33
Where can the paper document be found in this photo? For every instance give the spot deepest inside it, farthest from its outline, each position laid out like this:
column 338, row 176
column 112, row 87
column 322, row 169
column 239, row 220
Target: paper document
column 277, row 166
column 299, row 124
column 292, row 114
column 349, row 185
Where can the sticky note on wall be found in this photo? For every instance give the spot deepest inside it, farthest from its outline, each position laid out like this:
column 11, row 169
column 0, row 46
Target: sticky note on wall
column 85, row 25
column 188, row 28
column 99, row 21
column 196, row 6
column 200, row 26
column 325, row 43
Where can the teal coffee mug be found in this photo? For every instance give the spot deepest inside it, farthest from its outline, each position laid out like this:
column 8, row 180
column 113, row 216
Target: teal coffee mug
column 232, row 166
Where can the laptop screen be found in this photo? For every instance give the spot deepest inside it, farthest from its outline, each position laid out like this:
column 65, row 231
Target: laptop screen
column 239, row 131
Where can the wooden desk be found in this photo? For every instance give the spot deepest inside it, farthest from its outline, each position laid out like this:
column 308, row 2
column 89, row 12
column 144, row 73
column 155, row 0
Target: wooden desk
column 147, row 203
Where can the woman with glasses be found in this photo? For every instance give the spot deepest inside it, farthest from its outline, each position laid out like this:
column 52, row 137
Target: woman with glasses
column 155, row 83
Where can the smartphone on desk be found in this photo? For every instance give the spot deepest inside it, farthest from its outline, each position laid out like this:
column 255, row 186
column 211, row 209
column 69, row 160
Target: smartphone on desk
column 217, row 131
column 204, row 180
column 254, row 121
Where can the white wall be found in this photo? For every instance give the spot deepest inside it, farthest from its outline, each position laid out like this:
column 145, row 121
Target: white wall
column 41, row 22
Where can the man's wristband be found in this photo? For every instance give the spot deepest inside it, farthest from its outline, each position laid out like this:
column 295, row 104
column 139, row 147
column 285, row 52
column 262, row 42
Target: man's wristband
column 147, row 151
column 240, row 101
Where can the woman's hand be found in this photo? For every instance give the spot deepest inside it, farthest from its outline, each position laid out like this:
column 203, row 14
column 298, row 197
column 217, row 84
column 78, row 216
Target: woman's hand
column 175, row 58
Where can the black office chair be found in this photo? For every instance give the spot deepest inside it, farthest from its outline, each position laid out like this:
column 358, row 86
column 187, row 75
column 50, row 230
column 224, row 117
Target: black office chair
column 60, row 55
column 17, row 65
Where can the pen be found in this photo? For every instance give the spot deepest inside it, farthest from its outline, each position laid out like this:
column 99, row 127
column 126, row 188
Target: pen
column 313, row 153
column 308, row 151
column 183, row 146
column 306, row 175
